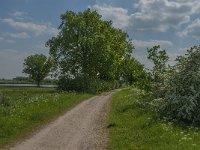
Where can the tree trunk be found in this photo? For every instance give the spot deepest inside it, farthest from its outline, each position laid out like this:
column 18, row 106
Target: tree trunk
column 38, row 83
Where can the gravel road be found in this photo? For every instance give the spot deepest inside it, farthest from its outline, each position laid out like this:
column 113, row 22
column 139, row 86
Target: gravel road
column 81, row 128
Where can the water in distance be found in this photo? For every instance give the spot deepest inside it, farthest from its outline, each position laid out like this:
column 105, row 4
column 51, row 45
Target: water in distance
column 29, row 85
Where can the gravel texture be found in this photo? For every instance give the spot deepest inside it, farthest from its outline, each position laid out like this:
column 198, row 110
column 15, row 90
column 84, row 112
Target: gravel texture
column 81, row 128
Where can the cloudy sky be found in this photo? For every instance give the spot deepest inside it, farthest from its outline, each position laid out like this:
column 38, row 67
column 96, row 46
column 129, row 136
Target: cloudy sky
column 25, row 26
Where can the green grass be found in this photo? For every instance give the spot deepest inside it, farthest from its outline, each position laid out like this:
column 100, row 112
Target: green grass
column 24, row 109
column 133, row 128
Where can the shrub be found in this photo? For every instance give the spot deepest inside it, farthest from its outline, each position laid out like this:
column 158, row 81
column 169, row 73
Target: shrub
column 147, row 102
column 67, row 84
column 182, row 100
column 86, row 85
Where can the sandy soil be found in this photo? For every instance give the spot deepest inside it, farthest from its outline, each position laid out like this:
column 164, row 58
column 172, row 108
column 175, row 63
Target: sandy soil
column 81, row 128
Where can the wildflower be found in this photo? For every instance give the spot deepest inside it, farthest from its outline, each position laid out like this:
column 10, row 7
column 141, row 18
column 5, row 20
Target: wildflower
column 184, row 138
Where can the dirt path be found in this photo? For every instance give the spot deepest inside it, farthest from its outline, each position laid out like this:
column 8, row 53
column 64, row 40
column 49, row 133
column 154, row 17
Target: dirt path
column 81, row 128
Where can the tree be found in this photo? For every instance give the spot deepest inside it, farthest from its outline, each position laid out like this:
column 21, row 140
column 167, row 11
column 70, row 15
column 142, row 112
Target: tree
column 88, row 48
column 159, row 58
column 38, row 67
column 135, row 74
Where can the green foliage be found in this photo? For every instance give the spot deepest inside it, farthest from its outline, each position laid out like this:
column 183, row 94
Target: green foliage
column 38, row 67
column 88, row 50
column 101, row 85
column 182, row 101
column 159, row 58
column 135, row 74
column 96, row 86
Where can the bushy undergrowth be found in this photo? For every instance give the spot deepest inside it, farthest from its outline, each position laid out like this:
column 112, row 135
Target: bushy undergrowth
column 178, row 99
column 182, row 101
column 86, row 85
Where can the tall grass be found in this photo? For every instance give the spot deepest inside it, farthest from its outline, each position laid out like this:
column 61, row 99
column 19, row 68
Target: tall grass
column 132, row 127
column 22, row 109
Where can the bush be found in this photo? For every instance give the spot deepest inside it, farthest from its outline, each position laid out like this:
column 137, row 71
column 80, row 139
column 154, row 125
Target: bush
column 67, row 84
column 182, row 100
column 80, row 84
column 147, row 101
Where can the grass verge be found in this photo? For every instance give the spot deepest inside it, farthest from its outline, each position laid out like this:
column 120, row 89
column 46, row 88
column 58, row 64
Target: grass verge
column 23, row 109
column 134, row 128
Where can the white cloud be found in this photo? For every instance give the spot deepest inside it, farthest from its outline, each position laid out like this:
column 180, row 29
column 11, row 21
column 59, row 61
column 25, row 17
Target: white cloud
column 2, row 39
column 151, row 15
column 140, row 52
column 160, row 15
column 41, row 48
column 19, row 14
column 37, row 29
column 192, row 30
column 10, row 41
column 151, row 43
column 13, row 60
column 51, row 30
column 21, row 35
column 178, row 52
column 119, row 16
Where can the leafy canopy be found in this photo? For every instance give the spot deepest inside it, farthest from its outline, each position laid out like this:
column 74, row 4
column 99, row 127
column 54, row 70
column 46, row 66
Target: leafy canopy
column 88, row 48
column 38, row 67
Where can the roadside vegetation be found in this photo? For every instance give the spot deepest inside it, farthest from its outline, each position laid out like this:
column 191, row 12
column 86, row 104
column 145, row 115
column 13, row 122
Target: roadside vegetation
column 132, row 125
column 88, row 55
column 161, row 111
column 23, row 109
column 164, row 116
column 176, row 89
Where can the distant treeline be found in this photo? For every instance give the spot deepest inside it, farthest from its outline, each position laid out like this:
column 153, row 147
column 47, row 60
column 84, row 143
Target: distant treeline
column 25, row 80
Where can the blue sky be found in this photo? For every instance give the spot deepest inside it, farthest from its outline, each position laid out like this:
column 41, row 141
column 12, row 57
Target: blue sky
column 25, row 26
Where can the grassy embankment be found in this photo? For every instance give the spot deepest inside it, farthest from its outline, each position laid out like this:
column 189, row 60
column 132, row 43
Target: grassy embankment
column 134, row 128
column 24, row 109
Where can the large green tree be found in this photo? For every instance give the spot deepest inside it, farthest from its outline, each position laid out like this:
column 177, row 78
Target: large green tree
column 89, row 48
column 132, row 70
column 37, row 67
